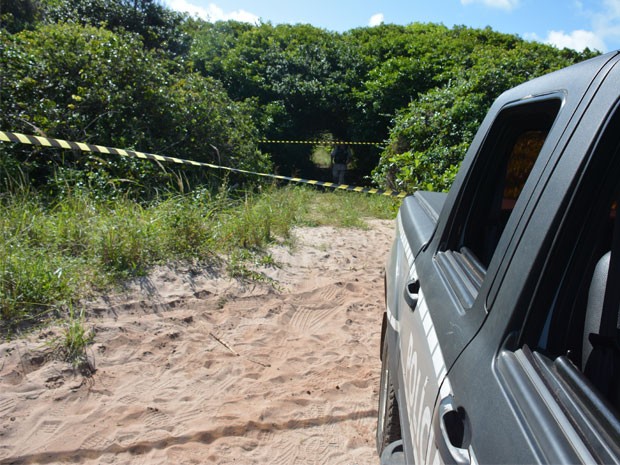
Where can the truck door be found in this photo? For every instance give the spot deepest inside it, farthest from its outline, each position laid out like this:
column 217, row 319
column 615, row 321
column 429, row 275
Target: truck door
column 448, row 280
column 446, row 299
column 531, row 387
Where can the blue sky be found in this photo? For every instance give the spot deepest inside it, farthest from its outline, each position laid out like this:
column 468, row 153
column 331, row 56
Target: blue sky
column 564, row 23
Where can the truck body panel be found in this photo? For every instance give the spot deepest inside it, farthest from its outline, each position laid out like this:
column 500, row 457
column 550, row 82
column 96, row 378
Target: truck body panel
column 487, row 286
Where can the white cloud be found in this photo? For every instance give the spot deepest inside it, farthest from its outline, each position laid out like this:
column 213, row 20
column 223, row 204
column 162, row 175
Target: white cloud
column 212, row 12
column 606, row 23
column 376, row 20
column 577, row 40
column 500, row 4
column 604, row 26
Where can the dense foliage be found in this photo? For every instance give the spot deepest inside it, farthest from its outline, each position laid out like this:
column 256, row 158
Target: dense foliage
column 429, row 137
column 91, row 84
column 134, row 74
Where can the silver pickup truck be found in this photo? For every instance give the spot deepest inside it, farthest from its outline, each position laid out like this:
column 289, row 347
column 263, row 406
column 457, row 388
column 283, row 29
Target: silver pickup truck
column 500, row 339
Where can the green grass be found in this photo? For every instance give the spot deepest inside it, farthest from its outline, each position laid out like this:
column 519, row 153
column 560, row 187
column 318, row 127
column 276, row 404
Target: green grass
column 347, row 209
column 75, row 341
column 53, row 255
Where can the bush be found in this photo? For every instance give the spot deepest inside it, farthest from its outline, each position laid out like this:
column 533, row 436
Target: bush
column 430, row 137
column 88, row 84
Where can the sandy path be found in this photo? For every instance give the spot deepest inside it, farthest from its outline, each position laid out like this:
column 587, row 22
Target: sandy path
column 195, row 368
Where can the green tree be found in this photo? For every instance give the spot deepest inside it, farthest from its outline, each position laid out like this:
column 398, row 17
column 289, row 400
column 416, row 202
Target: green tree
column 159, row 26
column 90, row 84
column 300, row 76
column 16, row 15
column 429, row 138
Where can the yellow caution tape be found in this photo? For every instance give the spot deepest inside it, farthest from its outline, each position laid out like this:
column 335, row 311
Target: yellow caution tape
column 317, row 142
column 84, row 147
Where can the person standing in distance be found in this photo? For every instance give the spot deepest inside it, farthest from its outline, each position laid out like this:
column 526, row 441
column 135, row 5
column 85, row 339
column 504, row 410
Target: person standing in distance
column 340, row 156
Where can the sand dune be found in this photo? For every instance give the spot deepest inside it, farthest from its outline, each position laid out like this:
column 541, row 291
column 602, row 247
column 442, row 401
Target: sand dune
column 193, row 367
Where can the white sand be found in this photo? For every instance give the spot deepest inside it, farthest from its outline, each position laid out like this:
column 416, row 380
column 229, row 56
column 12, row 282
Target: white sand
column 192, row 367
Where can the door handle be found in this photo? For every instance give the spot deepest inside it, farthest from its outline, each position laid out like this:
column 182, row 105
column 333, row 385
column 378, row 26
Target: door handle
column 412, row 289
column 452, row 433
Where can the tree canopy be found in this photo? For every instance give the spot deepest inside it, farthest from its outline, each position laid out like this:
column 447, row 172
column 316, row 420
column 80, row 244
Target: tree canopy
column 134, row 74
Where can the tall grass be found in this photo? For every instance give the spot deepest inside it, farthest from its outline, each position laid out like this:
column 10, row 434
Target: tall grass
column 75, row 341
column 52, row 255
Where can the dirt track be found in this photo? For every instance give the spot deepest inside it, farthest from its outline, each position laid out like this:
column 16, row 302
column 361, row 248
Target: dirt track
column 196, row 368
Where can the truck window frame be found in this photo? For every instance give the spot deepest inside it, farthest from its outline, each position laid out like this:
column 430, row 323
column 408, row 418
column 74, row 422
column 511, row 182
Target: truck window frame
column 482, row 211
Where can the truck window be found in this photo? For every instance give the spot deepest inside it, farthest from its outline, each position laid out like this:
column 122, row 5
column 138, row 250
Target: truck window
column 500, row 172
column 508, row 157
